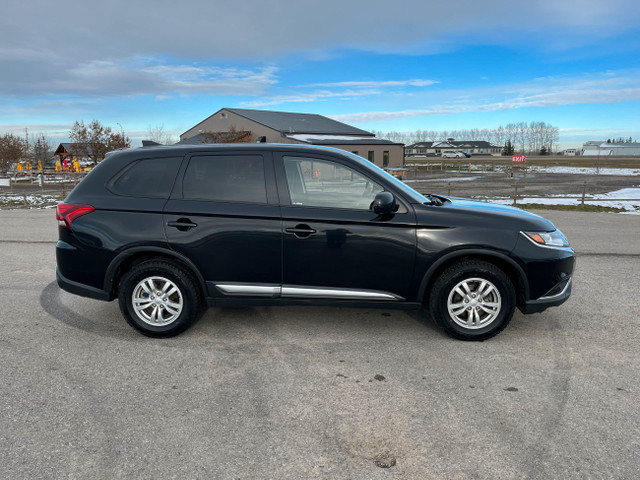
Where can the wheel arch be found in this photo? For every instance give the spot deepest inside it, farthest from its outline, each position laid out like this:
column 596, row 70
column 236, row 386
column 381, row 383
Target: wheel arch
column 124, row 261
column 508, row 265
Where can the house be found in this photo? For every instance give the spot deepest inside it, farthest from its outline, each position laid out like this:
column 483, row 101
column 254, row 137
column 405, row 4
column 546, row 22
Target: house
column 600, row 149
column 295, row 128
column 70, row 151
column 471, row 147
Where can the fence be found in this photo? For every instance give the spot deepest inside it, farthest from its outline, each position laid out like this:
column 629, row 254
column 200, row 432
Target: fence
column 587, row 194
column 489, row 163
column 37, row 190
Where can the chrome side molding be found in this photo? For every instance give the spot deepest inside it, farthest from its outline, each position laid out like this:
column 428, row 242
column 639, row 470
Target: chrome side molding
column 244, row 289
column 337, row 293
column 291, row 291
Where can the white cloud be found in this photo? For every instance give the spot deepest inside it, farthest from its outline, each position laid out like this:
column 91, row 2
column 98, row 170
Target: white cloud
column 254, row 29
column 547, row 92
column 309, row 97
column 139, row 76
column 415, row 82
column 43, row 48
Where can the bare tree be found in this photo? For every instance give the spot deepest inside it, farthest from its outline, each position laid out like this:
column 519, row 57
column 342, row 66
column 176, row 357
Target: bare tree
column 159, row 135
column 12, row 150
column 230, row 136
column 522, row 136
column 95, row 140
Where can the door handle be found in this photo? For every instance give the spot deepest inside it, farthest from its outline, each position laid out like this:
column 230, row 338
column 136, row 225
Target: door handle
column 182, row 224
column 301, row 231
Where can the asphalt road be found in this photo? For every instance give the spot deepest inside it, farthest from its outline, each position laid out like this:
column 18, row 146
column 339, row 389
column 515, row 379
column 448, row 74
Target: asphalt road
column 273, row 393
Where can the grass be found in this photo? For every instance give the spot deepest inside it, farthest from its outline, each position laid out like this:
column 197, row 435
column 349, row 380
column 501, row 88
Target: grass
column 570, row 208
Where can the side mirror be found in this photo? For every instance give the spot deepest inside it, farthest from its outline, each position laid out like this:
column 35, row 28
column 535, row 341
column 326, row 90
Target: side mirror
column 384, row 202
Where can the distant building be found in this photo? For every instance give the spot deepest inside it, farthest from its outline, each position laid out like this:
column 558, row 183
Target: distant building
column 604, row 149
column 570, row 152
column 471, row 147
column 302, row 128
column 70, row 151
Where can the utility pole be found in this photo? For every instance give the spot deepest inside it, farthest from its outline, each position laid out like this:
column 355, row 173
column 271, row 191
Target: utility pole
column 26, row 133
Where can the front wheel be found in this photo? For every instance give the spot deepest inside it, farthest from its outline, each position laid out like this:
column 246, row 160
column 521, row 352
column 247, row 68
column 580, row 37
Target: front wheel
column 473, row 300
column 159, row 299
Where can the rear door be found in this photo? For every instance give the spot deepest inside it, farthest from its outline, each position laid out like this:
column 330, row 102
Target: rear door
column 224, row 216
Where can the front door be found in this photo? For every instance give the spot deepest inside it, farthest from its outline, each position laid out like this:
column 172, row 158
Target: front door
column 334, row 246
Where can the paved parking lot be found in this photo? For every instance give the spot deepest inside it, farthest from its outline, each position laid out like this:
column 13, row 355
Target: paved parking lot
column 272, row 393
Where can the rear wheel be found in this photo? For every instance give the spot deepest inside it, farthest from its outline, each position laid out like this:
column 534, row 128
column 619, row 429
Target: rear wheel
column 159, row 299
column 472, row 300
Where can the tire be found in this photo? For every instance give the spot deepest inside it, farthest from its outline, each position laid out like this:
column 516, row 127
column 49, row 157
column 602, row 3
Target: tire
column 167, row 315
column 472, row 300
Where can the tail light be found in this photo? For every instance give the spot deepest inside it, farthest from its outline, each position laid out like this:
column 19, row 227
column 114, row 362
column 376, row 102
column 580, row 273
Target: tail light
column 66, row 213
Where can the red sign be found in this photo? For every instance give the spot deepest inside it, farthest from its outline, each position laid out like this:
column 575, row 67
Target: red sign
column 519, row 159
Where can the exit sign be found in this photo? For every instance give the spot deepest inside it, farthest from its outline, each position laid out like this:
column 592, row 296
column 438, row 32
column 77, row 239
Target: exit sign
column 519, row 159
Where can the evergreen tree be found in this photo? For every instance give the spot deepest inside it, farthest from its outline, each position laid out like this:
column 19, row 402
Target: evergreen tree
column 508, row 149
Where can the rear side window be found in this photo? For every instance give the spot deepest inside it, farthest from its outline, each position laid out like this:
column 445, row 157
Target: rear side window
column 151, row 177
column 225, row 178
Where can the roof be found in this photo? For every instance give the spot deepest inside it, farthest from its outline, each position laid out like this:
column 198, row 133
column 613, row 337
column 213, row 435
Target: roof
column 319, row 139
column 215, row 137
column 348, row 141
column 595, row 144
column 195, row 140
column 455, row 144
column 621, row 145
column 71, row 148
column 289, row 122
column 473, row 144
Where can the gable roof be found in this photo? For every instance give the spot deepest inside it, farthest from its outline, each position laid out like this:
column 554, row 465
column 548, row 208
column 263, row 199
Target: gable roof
column 289, row 122
column 73, row 148
column 473, row 144
column 455, row 144
column 321, row 139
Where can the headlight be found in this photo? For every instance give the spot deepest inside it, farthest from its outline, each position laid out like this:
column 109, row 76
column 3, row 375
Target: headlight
column 548, row 239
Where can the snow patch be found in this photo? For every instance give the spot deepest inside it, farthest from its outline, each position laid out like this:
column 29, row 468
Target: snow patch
column 585, row 170
column 440, row 180
column 629, row 200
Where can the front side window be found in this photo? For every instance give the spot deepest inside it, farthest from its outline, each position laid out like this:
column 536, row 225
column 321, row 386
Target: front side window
column 232, row 178
column 322, row 183
column 385, row 158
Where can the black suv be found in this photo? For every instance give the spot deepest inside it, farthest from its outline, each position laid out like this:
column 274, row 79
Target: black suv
column 170, row 229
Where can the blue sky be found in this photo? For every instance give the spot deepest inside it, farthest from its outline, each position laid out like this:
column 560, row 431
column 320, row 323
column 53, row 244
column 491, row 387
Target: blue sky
column 404, row 65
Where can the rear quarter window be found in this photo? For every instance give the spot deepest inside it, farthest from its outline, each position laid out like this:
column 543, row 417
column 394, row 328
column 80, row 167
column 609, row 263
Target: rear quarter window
column 150, row 177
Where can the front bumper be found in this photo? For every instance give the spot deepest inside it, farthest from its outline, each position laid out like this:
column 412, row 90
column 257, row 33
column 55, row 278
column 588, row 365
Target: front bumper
column 542, row 303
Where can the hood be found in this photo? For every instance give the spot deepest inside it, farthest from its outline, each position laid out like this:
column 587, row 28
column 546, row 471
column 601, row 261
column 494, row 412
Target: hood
column 483, row 214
